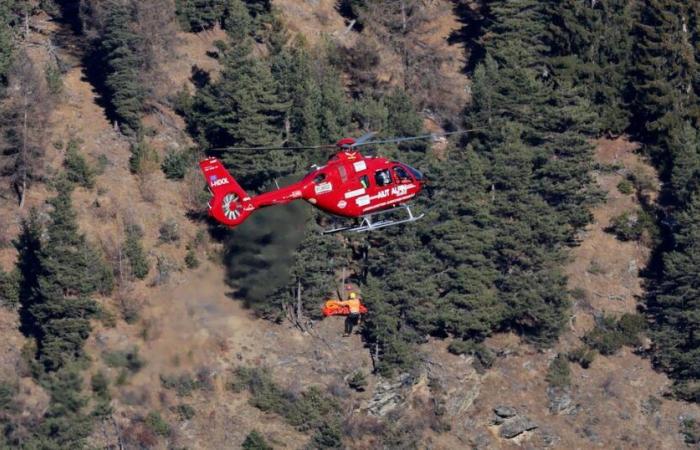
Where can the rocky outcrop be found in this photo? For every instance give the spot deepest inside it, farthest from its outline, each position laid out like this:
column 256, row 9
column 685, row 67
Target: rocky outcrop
column 511, row 423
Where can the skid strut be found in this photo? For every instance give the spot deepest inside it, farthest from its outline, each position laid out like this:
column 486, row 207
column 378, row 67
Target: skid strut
column 367, row 224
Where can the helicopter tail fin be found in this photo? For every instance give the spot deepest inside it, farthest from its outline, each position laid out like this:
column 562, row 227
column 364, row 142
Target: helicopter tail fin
column 230, row 204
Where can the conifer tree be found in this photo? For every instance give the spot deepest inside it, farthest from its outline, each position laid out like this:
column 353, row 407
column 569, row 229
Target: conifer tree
column 676, row 303
column 592, row 46
column 665, row 70
column 242, row 109
column 198, row 15
column 55, row 291
column 122, row 62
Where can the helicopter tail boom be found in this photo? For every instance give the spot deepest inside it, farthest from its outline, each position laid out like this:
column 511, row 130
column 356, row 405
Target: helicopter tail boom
column 230, row 204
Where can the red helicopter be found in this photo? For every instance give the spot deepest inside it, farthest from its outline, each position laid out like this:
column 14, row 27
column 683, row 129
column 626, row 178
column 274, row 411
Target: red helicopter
column 349, row 185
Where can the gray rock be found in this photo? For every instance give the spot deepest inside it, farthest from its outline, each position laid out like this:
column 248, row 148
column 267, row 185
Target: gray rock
column 560, row 401
column 505, row 411
column 516, row 426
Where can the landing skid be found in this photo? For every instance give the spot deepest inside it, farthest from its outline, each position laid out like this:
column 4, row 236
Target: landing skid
column 367, row 224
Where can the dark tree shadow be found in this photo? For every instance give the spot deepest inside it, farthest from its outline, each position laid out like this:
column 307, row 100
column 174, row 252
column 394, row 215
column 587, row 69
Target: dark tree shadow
column 473, row 21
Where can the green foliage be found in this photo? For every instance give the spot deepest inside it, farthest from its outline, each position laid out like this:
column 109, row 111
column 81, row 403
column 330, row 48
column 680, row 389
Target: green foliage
column 198, row 15
column 582, row 355
column 191, row 260
column 559, row 372
column 690, row 429
column 592, row 43
column 54, row 79
column 118, row 48
column 484, row 356
column 609, row 335
column 134, row 251
column 127, row 359
column 155, row 422
column 255, row 441
column 176, row 163
column 8, row 390
column 9, row 288
column 183, row 384
column 184, row 411
column 77, row 169
column 632, row 225
column 311, row 410
column 242, row 109
column 625, row 186
column 54, row 292
column 169, row 231
column 357, row 381
column 143, row 159
column 100, row 385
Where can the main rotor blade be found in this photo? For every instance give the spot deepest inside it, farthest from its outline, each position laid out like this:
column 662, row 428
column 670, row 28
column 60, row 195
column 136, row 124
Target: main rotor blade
column 363, row 139
column 415, row 138
column 300, row 147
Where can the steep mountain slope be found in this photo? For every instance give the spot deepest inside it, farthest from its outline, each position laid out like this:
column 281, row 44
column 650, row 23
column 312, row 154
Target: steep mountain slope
column 189, row 325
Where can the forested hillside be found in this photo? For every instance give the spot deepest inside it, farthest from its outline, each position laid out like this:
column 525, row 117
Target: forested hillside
column 133, row 320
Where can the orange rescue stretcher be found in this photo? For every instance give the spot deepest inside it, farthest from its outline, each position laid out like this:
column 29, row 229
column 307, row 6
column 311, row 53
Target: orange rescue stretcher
column 334, row 308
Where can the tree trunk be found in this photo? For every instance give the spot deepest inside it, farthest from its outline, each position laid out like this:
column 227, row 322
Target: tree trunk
column 23, row 156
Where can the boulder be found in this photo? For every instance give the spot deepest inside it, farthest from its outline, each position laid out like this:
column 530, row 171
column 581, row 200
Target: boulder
column 505, row 411
column 516, row 426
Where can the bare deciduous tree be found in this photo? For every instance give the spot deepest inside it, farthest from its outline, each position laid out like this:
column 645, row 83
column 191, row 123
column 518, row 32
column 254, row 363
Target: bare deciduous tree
column 25, row 116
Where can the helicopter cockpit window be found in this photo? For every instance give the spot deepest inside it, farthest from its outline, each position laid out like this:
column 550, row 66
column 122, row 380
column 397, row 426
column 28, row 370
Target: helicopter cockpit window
column 382, row 177
column 319, row 178
column 364, row 181
column 416, row 173
column 401, row 174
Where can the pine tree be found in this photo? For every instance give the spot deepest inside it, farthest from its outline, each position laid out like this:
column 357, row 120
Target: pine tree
column 242, row 109
column 592, row 43
column 118, row 47
column 665, row 70
column 676, row 303
column 199, row 15
column 6, row 43
column 55, row 292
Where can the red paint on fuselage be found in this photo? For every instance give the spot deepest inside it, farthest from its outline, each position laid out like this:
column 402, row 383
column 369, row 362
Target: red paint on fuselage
column 349, row 185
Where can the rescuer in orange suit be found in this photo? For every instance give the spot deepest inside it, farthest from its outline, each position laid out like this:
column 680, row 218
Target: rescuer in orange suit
column 353, row 303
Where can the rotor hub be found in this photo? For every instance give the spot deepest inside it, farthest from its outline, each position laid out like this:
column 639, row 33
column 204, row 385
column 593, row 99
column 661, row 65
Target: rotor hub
column 231, row 206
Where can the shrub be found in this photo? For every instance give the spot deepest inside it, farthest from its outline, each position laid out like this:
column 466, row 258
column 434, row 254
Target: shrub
column 127, row 359
column 631, row 225
column 7, row 395
column 595, row 268
column 184, row 411
column 77, row 169
column 157, row 424
column 328, row 435
column 100, row 385
column 54, row 80
column 310, row 410
column 485, row 357
column 609, row 335
column 559, row 372
column 255, row 441
column 625, row 186
column 690, row 429
column 175, row 164
column 133, row 248
column 583, row 355
column 169, row 232
column 191, row 260
column 9, row 289
column 357, row 381
column 143, row 160
column 182, row 384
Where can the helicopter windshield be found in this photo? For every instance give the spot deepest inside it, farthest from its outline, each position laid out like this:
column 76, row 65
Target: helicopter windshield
column 416, row 173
